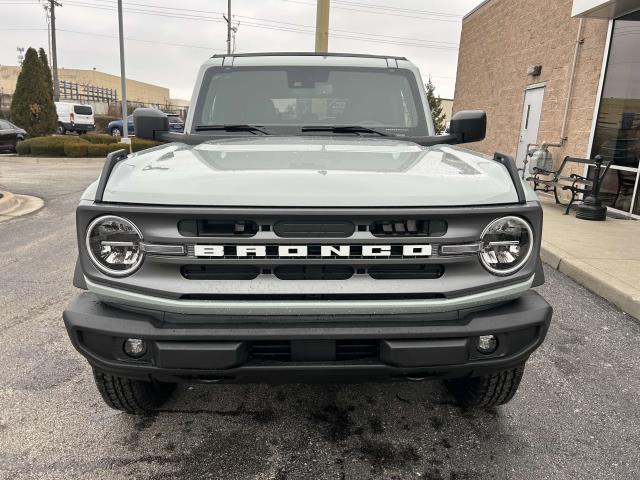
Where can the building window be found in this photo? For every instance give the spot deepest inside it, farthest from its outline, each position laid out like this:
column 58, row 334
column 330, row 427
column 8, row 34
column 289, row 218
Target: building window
column 617, row 132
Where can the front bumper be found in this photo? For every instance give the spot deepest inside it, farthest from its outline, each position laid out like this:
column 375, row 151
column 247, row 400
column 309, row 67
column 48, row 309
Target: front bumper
column 390, row 348
column 79, row 127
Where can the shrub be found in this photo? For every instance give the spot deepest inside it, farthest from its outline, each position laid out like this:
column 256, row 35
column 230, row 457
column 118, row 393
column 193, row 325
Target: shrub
column 48, row 146
column 118, row 146
column 76, row 149
column 23, row 148
column 138, row 144
column 100, row 138
column 97, row 150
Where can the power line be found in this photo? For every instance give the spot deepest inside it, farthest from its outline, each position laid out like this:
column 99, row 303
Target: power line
column 155, row 42
column 210, row 12
column 395, row 8
column 300, row 29
column 386, row 13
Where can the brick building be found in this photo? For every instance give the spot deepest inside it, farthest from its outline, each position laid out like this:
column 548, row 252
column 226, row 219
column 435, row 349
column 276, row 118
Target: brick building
column 558, row 71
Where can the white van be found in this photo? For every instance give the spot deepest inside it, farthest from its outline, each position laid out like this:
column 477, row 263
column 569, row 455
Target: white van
column 74, row 117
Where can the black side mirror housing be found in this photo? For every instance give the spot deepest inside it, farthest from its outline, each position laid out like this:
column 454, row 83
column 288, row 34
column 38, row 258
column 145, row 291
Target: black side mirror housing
column 468, row 126
column 150, row 123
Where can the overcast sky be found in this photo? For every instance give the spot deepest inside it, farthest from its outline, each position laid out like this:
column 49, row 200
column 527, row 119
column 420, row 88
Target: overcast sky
column 167, row 40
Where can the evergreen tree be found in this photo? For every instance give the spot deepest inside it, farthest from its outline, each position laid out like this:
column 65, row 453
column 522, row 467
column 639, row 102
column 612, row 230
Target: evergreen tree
column 32, row 106
column 435, row 105
column 48, row 78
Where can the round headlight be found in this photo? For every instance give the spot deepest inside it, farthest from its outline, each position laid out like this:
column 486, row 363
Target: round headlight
column 506, row 245
column 113, row 244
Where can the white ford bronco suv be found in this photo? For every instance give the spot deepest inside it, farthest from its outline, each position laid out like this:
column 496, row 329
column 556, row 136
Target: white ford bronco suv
column 308, row 226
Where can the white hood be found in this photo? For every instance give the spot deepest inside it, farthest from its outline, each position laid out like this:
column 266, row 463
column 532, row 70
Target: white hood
column 309, row 172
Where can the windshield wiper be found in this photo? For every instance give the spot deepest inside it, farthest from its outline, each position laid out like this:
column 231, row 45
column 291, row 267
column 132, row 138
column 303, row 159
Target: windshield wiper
column 343, row 129
column 233, row 128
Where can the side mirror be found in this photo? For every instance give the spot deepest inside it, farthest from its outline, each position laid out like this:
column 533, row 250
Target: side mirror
column 469, row 125
column 150, row 123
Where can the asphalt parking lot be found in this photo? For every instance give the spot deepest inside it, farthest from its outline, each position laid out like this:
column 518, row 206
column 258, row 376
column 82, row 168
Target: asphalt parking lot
column 576, row 415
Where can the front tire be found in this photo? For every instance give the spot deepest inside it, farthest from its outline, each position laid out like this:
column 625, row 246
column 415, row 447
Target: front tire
column 61, row 130
column 486, row 391
column 132, row 396
column 115, row 132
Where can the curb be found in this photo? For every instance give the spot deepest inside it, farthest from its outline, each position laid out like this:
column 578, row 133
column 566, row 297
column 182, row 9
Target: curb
column 610, row 288
column 7, row 201
column 13, row 206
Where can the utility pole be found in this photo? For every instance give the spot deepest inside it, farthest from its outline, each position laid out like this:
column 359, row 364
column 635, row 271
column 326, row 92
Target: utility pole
column 228, row 19
column 54, row 50
column 123, row 78
column 48, row 19
column 322, row 26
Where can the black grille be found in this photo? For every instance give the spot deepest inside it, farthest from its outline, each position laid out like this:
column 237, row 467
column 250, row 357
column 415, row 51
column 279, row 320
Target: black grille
column 279, row 350
column 220, row 272
column 408, row 227
column 405, row 272
column 345, row 350
column 217, row 228
column 314, row 228
column 313, row 272
column 356, row 349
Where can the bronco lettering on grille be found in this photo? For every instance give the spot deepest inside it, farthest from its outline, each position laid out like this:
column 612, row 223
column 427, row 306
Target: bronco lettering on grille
column 312, row 251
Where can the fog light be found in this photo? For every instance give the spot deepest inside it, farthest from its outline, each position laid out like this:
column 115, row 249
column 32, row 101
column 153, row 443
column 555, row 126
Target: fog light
column 487, row 344
column 135, row 347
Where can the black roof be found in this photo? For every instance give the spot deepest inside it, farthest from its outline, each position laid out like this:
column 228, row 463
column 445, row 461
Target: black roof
column 303, row 54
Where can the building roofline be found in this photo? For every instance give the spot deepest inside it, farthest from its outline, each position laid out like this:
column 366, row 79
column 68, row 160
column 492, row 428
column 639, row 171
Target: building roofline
column 474, row 10
column 304, row 54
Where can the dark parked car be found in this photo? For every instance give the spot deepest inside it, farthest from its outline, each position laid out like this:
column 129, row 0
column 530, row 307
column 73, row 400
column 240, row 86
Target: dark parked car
column 10, row 135
column 176, row 124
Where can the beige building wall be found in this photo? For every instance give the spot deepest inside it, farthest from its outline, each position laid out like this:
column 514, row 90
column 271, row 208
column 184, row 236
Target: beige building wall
column 447, row 108
column 136, row 91
column 499, row 41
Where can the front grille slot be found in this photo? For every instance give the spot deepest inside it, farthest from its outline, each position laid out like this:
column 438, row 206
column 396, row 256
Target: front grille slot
column 314, row 228
column 345, row 350
column 408, row 227
column 313, row 272
column 220, row 272
column 278, row 350
column 356, row 349
column 406, row 272
column 217, row 228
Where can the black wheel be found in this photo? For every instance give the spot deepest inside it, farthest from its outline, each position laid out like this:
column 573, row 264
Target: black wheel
column 115, row 132
column 487, row 391
column 132, row 396
column 61, row 130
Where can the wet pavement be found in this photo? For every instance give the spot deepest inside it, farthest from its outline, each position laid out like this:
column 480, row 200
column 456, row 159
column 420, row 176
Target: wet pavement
column 576, row 414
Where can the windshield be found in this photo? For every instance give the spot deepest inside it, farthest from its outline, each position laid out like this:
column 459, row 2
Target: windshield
column 174, row 119
column 289, row 98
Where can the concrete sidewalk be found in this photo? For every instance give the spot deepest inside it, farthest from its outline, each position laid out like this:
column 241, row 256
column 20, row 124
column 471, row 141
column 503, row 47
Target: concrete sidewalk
column 602, row 256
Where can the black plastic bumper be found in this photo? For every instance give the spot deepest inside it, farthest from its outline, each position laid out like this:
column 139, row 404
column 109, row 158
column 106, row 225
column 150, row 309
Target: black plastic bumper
column 273, row 352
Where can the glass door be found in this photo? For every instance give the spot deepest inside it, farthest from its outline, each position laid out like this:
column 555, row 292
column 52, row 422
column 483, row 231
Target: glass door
column 617, row 132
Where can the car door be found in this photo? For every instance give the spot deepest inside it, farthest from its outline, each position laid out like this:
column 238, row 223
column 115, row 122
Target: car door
column 7, row 135
column 130, row 124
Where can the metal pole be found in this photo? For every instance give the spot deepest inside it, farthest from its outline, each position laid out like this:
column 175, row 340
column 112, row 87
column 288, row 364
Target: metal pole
column 123, row 78
column 48, row 19
column 229, row 27
column 322, row 26
column 54, row 51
